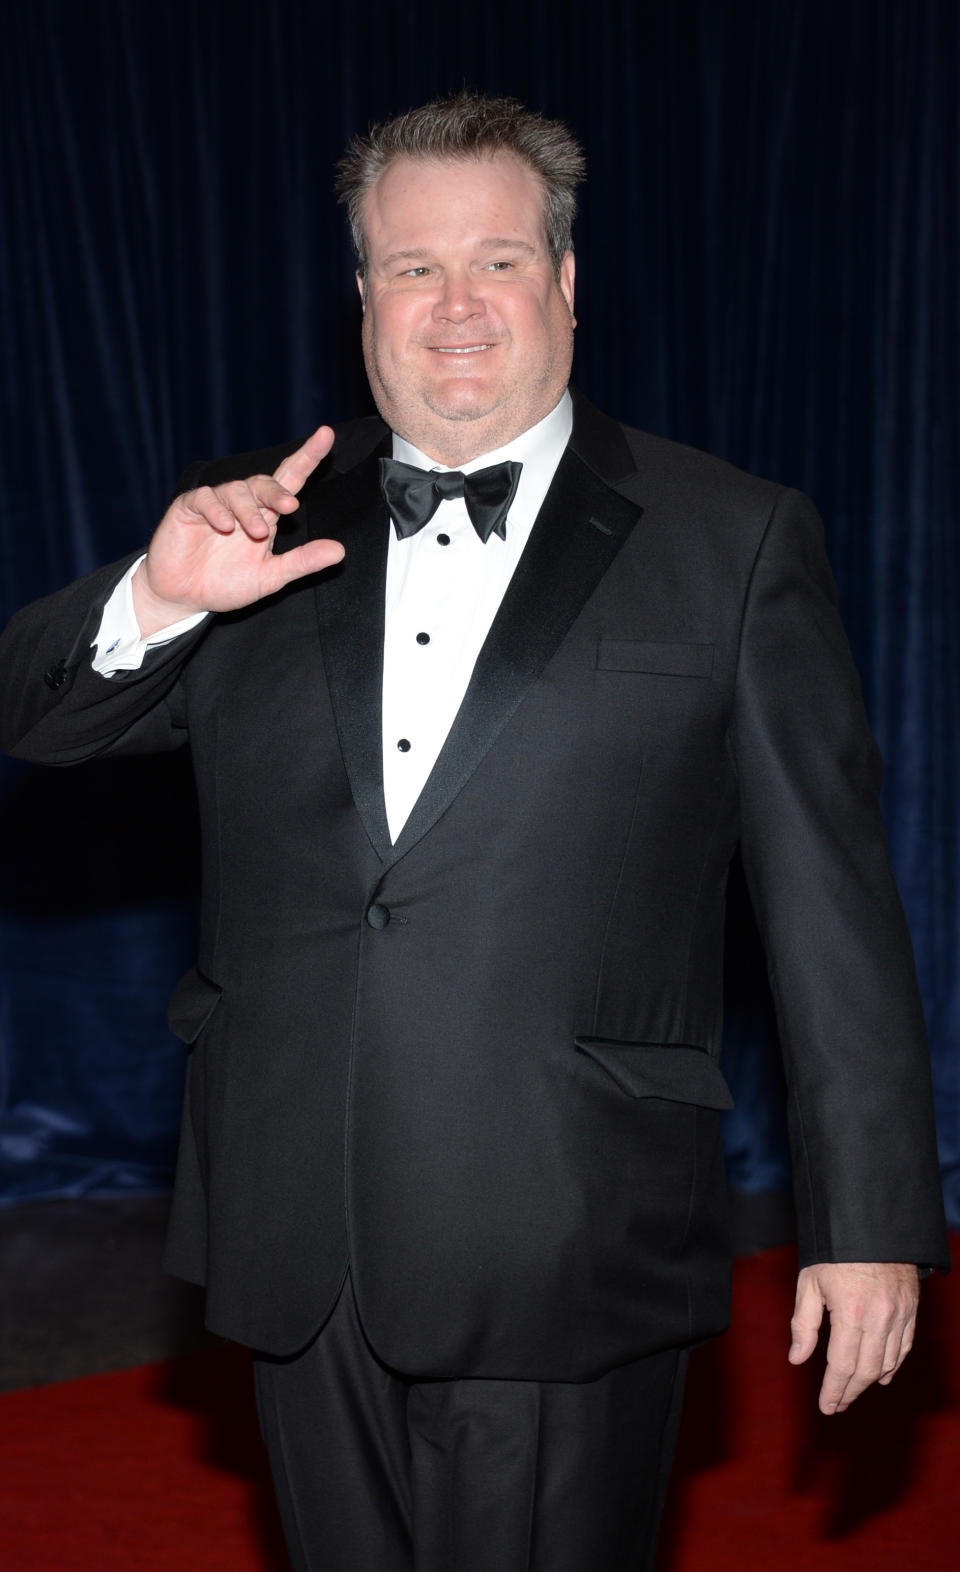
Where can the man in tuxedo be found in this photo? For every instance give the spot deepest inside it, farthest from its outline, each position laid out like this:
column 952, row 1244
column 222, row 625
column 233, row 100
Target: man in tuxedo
column 482, row 696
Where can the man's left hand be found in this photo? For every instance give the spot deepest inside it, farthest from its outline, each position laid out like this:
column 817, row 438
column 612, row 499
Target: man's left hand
column 873, row 1310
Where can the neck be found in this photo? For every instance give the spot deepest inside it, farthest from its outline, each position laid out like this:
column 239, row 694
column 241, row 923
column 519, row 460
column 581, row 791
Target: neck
column 468, row 440
column 453, row 450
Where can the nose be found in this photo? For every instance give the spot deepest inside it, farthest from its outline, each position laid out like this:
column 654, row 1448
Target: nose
column 459, row 299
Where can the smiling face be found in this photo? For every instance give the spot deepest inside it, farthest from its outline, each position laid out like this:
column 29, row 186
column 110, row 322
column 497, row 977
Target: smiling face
column 467, row 331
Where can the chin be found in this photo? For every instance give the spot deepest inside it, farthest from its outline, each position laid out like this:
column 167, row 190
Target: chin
column 462, row 402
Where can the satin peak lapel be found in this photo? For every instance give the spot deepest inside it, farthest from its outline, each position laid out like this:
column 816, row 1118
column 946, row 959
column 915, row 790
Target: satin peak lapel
column 579, row 530
column 350, row 607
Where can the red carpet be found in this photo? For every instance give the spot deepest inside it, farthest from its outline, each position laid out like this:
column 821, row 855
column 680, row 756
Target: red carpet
column 160, row 1468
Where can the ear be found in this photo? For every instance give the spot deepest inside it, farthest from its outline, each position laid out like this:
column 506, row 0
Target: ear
column 567, row 274
column 360, row 285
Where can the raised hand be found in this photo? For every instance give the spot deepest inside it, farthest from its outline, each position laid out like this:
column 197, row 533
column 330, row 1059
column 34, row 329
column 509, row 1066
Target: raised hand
column 213, row 548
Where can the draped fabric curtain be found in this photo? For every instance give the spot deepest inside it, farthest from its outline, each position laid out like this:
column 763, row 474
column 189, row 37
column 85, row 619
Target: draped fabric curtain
column 768, row 262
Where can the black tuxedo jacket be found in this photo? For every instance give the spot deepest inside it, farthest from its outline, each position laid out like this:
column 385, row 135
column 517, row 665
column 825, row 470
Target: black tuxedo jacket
column 481, row 1065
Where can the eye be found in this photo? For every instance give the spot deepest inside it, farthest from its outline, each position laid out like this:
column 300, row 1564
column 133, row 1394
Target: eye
column 415, row 272
column 499, row 267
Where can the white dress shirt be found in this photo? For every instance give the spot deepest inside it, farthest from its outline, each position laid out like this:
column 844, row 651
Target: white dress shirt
column 444, row 588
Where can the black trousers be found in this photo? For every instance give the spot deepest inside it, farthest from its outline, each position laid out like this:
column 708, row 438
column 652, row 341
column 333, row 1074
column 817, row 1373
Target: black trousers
column 378, row 1473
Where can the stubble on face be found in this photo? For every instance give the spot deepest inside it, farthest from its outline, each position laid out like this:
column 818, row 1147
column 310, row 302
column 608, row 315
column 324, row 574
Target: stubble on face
column 467, row 331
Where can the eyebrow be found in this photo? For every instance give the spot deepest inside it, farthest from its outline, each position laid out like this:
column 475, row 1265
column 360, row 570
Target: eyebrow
column 502, row 244
column 494, row 243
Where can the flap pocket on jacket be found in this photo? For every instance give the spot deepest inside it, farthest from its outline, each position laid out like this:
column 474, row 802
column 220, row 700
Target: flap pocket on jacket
column 192, row 1003
column 672, row 1070
column 661, row 660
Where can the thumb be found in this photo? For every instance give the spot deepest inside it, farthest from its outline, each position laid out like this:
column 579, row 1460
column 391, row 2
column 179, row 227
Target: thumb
column 806, row 1321
column 312, row 557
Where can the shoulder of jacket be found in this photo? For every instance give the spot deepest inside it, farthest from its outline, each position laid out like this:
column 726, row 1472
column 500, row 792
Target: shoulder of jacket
column 690, row 473
column 353, row 439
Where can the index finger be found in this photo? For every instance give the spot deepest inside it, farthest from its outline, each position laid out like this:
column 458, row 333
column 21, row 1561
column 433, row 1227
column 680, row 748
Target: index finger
column 843, row 1354
column 868, row 1369
column 296, row 469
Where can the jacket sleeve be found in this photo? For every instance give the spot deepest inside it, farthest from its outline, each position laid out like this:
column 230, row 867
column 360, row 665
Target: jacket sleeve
column 838, row 951
column 55, row 709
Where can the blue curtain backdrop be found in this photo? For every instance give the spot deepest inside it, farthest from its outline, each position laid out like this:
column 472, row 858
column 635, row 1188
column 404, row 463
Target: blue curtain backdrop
column 768, row 269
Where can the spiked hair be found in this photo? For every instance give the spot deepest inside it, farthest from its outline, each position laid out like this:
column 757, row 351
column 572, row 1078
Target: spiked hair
column 462, row 127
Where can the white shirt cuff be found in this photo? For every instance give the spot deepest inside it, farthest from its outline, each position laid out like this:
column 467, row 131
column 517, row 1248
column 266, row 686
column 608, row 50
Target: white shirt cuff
column 119, row 644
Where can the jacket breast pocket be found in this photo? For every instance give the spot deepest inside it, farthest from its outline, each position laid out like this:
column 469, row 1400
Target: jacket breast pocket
column 659, row 660
column 674, row 1071
column 192, row 1003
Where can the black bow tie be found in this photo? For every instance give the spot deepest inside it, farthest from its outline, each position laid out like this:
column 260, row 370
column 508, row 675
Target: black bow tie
column 414, row 495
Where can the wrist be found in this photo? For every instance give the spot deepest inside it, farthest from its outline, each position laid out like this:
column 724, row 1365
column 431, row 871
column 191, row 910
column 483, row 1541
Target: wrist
column 153, row 612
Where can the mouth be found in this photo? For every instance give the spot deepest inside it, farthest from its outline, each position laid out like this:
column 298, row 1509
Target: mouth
column 460, row 349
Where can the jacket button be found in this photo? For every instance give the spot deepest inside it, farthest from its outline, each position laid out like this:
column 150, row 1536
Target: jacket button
column 57, row 675
column 378, row 916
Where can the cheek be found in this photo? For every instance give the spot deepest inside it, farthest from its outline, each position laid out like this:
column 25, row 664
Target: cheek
column 542, row 325
column 558, row 330
column 385, row 328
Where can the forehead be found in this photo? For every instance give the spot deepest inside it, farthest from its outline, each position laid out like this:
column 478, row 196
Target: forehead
column 419, row 203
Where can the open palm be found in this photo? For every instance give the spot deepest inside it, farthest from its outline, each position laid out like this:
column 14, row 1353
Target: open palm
column 213, row 548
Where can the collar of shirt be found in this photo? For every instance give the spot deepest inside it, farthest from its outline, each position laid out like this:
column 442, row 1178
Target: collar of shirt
column 539, row 450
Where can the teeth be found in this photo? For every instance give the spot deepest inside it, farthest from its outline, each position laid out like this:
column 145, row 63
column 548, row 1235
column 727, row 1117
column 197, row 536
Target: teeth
column 468, row 349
